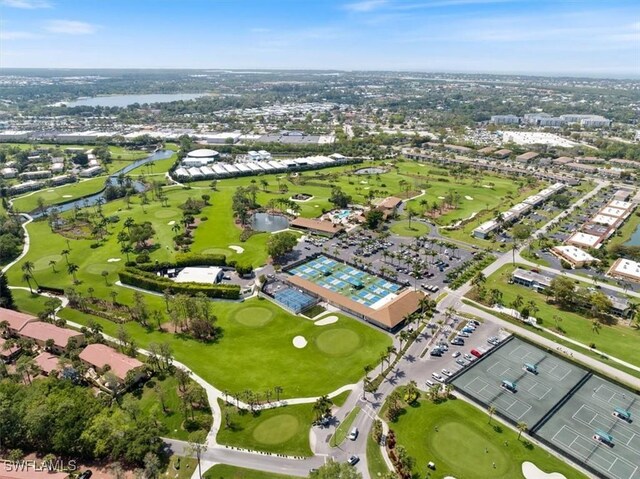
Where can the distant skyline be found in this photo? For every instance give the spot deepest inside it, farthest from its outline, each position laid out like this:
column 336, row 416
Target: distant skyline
column 554, row 37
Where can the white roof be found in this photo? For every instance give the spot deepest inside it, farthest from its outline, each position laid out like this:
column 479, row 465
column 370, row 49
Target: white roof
column 626, row 267
column 487, row 226
column 605, row 220
column 276, row 164
column 243, row 167
column 182, row 172
column 615, row 212
column 623, row 205
column 254, row 167
column 202, row 153
column 198, row 275
column 195, row 171
column 584, row 239
column 264, row 165
column 219, row 169
column 206, row 170
column 574, row 253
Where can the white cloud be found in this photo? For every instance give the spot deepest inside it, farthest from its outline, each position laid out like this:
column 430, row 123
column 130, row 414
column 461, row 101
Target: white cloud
column 365, row 5
column 4, row 35
column 26, row 4
column 70, row 27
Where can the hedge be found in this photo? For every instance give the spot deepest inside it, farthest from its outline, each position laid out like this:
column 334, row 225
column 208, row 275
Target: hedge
column 153, row 282
column 183, row 260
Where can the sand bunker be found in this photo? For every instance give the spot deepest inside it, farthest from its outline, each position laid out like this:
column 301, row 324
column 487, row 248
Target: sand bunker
column 470, row 198
column 237, row 249
column 363, row 182
column 327, row 320
column 531, row 471
column 171, row 223
column 487, row 186
column 299, row 342
column 114, row 260
column 441, row 197
column 366, row 188
column 67, row 196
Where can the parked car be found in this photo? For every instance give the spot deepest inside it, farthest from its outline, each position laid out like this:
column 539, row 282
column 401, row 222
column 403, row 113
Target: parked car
column 353, row 435
column 456, row 354
column 461, row 362
column 353, row 460
column 476, row 353
column 437, row 377
column 446, row 372
column 436, row 352
column 468, row 357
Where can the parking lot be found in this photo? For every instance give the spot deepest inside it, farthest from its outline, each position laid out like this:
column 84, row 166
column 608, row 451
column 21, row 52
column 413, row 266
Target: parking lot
column 418, row 262
column 589, row 410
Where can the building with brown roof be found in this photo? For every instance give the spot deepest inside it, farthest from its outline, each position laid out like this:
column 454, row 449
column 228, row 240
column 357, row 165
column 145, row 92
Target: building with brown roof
column 321, row 227
column 102, row 358
column 487, row 150
column 389, row 316
column 389, row 205
column 47, row 362
column 526, row 157
column 41, row 332
column 16, row 320
column 8, row 352
column 503, row 153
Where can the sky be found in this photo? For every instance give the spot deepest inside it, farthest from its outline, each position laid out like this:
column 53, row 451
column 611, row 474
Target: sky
column 572, row 37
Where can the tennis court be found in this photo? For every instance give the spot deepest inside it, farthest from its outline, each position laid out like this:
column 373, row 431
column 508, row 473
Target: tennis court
column 535, row 394
column 293, row 299
column 346, row 280
column 589, row 412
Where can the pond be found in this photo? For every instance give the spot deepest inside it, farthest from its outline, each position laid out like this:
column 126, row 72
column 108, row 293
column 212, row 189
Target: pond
column 635, row 238
column 122, row 101
column 269, row 222
column 374, row 170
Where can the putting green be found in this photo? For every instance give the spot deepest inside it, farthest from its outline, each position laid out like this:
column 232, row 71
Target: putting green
column 100, row 267
column 338, row 342
column 417, row 229
column 166, row 213
column 277, row 429
column 43, row 263
column 254, row 316
column 480, row 454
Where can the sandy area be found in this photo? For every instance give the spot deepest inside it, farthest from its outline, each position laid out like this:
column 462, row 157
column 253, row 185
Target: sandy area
column 171, row 223
column 531, row 471
column 487, row 186
column 470, row 198
column 363, row 182
column 366, row 188
column 237, row 249
column 299, row 342
column 67, row 196
column 114, row 260
column 327, row 320
column 441, row 197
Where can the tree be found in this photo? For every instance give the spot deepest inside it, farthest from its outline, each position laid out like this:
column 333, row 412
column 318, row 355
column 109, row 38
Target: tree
column 6, row 297
column 491, row 410
column 562, row 290
column 335, row 470
column 339, row 198
column 278, row 245
column 72, row 269
column 197, row 444
column 522, row 427
column 140, row 233
column 27, row 268
column 373, row 218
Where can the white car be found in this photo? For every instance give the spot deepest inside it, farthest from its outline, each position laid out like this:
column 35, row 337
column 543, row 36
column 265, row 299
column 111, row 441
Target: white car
column 456, row 354
column 437, row 377
column 446, row 372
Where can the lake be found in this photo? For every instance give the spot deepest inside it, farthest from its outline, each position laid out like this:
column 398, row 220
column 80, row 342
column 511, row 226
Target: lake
column 635, row 238
column 126, row 100
column 269, row 222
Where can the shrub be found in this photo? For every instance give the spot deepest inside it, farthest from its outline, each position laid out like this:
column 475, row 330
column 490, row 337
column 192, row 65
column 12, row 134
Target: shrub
column 244, row 269
column 143, row 258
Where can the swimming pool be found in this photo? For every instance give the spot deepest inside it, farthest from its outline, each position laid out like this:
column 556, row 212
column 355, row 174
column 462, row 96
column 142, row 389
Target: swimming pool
column 342, row 214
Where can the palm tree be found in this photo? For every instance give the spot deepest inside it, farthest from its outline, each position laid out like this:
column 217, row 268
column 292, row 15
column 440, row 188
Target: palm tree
column 105, row 275
column 72, row 268
column 558, row 320
column 65, row 253
column 596, row 326
column 522, row 427
column 28, row 268
column 52, row 263
column 491, row 410
column 27, row 277
column 126, row 249
column 278, row 390
column 517, row 303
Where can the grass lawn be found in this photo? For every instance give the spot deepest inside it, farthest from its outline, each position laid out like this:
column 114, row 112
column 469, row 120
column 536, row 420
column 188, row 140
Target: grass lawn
column 261, row 356
column 375, row 461
column 402, row 228
column 282, row 430
column 60, row 194
column 464, row 434
column 340, row 398
column 224, row 471
column 173, row 419
column 344, row 428
column 625, row 233
column 27, row 302
column 180, row 467
column 617, row 340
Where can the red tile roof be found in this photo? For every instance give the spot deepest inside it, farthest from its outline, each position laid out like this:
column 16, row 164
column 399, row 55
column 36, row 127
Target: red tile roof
column 7, row 352
column 47, row 361
column 41, row 331
column 99, row 355
column 319, row 225
column 390, row 202
column 15, row 319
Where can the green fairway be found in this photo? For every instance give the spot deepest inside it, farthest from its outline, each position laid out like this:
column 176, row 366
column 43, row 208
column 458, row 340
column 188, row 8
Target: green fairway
column 27, row 302
column 344, row 428
column 224, row 471
column 260, row 358
column 181, row 467
column 416, row 229
column 458, row 438
column 618, row 340
column 375, row 461
column 60, row 194
column 282, row 430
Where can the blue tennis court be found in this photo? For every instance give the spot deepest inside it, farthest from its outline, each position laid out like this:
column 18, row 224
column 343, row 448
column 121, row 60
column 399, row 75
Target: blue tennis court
column 295, row 300
column 345, row 280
